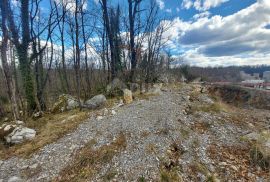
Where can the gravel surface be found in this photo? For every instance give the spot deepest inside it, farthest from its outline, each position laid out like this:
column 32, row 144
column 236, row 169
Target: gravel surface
column 153, row 124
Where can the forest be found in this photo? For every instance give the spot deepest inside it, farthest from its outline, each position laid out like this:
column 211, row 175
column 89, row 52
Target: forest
column 76, row 47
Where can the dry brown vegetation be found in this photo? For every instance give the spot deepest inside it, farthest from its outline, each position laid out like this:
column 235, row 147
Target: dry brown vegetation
column 49, row 128
column 237, row 161
column 88, row 161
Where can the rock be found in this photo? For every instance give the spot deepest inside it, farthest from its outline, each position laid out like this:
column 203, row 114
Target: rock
column 72, row 103
column 6, row 130
column 134, row 87
column 65, row 102
column 19, row 122
column 127, row 96
column 203, row 98
column 37, row 115
column 14, row 179
column 116, row 84
column 163, row 78
column 99, row 118
column 117, row 105
column 183, row 78
column 156, row 89
column 113, row 112
column 20, row 134
column 7, row 127
column 6, row 119
column 34, row 166
column 105, row 112
column 95, row 102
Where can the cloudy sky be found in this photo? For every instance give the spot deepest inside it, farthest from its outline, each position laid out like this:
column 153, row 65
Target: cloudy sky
column 218, row 32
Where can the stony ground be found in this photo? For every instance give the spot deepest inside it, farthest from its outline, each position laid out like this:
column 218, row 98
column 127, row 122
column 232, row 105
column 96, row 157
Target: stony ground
column 180, row 135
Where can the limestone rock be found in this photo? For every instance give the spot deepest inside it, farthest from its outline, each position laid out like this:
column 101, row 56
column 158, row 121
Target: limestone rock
column 5, row 130
column 116, row 84
column 18, row 122
column 14, row 179
column 156, row 89
column 99, row 118
column 134, row 87
column 65, row 102
column 37, row 115
column 127, row 96
column 20, row 134
column 95, row 102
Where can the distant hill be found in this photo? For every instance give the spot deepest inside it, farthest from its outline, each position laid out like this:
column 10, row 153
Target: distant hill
column 231, row 73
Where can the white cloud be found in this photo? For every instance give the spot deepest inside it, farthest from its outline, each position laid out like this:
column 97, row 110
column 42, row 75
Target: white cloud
column 187, row 4
column 168, row 10
column 237, row 39
column 202, row 5
column 70, row 4
column 205, row 14
column 161, row 4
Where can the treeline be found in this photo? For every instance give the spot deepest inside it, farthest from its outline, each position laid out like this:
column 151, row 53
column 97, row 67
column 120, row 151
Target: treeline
column 218, row 74
column 76, row 47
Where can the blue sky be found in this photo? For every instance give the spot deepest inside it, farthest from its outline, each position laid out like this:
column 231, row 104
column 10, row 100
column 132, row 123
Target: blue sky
column 216, row 32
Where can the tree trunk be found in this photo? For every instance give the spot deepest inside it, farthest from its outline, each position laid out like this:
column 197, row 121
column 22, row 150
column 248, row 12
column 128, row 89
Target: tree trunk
column 110, row 37
column 87, row 75
column 6, row 68
column 78, row 55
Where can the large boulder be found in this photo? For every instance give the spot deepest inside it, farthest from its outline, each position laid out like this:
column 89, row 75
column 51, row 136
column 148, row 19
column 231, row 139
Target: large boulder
column 127, row 96
column 5, row 130
column 156, row 89
column 95, row 102
column 134, row 87
column 20, row 134
column 116, row 84
column 163, row 78
column 65, row 102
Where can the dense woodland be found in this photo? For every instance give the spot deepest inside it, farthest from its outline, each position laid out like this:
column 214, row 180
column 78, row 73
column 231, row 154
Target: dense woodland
column 76, row 47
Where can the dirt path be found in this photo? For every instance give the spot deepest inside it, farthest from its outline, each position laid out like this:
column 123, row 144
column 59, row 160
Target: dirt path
column 152, row 128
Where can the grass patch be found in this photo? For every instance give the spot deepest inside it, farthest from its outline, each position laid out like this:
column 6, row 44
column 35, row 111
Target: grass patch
column 49, row 128
column 151, row 148
column 170, row 175
column 185, row 133
column 142, row 96
column 109, row 175
column 170, row 169
column 198, row 167
column 216, row 107
column 88, row 161
column 201, row 127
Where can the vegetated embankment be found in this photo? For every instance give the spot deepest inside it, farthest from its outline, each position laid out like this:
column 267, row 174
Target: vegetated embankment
column 242, row 97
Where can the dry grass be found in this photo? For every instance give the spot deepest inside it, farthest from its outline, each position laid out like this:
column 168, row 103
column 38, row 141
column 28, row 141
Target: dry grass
column 88, row 161
column 142, row 96
column 151, row 148
column 237, row 163
column 197, row 167
column 201, row 127
column 170, row 169
column 172, row 175
column 216, row 107
column 49, row 128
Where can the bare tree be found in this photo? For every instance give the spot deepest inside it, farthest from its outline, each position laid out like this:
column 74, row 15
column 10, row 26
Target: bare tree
column 61, row 11
column 6, row 68
column 133, row 9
